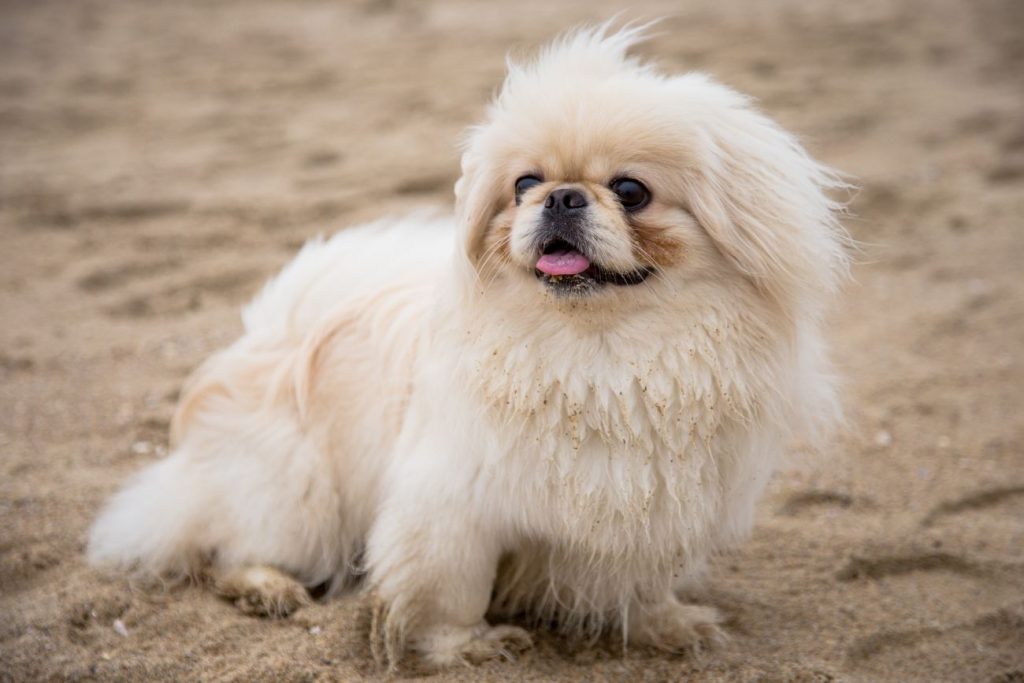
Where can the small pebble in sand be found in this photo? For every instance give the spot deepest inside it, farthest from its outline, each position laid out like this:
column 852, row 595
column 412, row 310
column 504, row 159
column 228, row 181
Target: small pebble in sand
column 883, row 438
column 315, row 630
column 120, row 628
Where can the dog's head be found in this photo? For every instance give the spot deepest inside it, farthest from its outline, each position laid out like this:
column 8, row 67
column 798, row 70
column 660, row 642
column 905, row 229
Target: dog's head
column 595, row 177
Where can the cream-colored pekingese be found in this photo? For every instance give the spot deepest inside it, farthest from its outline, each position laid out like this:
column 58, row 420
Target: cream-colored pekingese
column 557, row 404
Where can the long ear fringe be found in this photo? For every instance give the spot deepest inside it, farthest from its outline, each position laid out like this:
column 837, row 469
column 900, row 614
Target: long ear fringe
column 771, row 209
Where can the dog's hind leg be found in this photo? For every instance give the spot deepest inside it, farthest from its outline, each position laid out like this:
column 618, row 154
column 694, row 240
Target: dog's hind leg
column 259, row 590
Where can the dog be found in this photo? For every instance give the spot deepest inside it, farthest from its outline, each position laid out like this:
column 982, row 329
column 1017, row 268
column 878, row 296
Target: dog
column 557, row 404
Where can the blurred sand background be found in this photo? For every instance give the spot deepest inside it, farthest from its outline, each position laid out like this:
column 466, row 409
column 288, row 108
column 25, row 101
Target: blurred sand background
column 158, row 161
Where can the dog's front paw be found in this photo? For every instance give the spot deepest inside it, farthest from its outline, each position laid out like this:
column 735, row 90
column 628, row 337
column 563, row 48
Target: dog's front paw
column 502, row 641
column 445, row 646
column 679, row 628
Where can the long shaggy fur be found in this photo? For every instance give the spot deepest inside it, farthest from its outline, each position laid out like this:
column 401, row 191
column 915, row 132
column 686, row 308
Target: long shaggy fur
column 409, row 392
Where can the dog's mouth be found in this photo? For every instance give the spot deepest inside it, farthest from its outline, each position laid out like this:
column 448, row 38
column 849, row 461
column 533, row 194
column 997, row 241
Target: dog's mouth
column 564, row 268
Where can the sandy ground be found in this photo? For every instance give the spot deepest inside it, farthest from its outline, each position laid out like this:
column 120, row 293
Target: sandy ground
column 159, row 160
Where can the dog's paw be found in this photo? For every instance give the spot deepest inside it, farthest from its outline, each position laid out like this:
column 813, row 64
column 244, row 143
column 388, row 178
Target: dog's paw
column 471, row 646
column 497, row 642
column 261, row 591
column 680, row 628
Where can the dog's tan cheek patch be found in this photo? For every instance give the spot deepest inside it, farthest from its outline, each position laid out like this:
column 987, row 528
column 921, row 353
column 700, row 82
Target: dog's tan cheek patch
column 654, row 243
column 497, row 239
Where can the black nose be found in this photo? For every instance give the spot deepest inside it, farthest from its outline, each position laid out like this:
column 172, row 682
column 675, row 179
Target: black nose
column 565, row 200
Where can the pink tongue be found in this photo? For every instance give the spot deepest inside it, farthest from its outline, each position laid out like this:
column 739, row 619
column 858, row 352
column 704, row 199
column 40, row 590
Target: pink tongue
column 569, row 262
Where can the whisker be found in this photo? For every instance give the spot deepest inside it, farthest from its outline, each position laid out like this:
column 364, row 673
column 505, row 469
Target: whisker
column 485, row 264
column 658, row 274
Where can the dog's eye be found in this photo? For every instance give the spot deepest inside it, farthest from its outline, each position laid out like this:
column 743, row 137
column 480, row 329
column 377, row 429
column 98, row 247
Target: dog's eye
column 632, row 194
column 524, row 184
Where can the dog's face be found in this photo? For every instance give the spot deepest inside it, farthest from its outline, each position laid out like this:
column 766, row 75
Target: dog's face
column 596, row 178
column 594, row 212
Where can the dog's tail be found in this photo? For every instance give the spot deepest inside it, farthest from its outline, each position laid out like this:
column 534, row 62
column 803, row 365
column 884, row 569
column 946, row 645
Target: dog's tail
column 148, row 529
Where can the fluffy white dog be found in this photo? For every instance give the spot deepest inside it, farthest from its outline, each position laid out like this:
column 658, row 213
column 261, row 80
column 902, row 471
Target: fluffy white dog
column 557, row 404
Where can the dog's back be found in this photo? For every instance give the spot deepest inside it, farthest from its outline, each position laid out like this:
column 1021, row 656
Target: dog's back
column 250, row 481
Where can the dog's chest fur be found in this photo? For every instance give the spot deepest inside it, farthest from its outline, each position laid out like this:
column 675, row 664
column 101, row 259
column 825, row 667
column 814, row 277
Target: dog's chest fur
column 620, row 442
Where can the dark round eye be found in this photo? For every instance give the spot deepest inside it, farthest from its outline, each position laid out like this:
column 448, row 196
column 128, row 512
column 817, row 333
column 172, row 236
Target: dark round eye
column 632, row 194
column 524, row 184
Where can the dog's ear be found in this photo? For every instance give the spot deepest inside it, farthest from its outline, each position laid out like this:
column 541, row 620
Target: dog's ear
column 764, row 202
column 476, row 201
